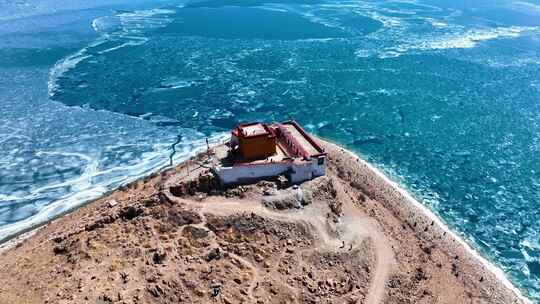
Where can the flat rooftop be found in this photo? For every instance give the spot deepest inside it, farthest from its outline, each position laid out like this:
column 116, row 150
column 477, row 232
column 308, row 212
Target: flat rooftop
column 253, row 130
column 302, row 144
column 225, row 158
column 280, row 155
column 301, row 139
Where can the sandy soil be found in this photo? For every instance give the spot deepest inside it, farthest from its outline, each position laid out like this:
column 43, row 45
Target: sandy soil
column 348, row 237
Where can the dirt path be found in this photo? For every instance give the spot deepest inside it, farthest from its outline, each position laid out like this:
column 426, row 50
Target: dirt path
column 353, row 229
column 356, row 228
column 130, row 246
column 255, row 272
column 248, row 264
column 385, row 261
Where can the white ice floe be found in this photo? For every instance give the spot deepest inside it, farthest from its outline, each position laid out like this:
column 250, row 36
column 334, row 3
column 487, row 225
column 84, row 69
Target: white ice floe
column 274, row 8
column 387, row 21
column 454, row 37
column 124, row 30
column 6, row 197
column 437, row 23
column 62, row 66
column 143, row 20
column 526, row 7
column 105, row 24
column 133, row 42
column 94, row 182
column 472, row 37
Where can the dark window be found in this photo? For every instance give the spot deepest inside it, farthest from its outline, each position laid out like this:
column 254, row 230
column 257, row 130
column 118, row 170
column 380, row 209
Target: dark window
column 321, row 160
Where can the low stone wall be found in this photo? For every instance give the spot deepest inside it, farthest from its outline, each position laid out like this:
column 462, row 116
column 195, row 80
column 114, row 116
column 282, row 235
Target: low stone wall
column 306, row 170
column 297, row 172
column 250, row 173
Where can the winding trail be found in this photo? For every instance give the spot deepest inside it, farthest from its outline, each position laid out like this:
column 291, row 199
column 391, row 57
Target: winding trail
column 361, row 227
column 255, row 272
column 353, row 228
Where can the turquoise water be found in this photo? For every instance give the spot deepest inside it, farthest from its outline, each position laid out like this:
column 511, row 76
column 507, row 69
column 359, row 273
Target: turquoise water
column 442, row 95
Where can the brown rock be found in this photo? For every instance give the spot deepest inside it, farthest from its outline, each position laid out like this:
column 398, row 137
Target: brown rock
column 214, row 254
column 159, row 256
column 130, row 212
column 259, row 258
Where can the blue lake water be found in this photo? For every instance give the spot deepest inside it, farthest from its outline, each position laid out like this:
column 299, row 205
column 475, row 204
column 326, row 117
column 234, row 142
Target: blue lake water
column 444, row 96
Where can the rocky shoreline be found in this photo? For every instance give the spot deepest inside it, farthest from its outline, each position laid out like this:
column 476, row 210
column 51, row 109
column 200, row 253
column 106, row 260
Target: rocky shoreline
column 426, row 224
column 352, row 236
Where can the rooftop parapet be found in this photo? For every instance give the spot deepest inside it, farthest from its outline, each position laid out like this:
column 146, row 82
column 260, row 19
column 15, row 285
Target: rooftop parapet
column 260, row 151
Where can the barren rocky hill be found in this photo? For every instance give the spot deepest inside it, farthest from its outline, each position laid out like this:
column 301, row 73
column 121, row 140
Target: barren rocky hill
column 176, row 238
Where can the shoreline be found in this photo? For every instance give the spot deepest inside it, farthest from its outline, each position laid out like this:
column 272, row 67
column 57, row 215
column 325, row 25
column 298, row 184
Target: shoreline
column 397, row 199
column 18, row 237
column 423, row 210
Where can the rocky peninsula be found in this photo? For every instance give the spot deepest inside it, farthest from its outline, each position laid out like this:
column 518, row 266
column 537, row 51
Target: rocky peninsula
column 351, row 236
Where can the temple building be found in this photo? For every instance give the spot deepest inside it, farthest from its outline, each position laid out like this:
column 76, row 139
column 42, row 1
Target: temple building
column 259, row 151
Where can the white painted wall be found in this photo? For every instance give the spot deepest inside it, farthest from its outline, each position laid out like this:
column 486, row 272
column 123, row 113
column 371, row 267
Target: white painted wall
column 319, row 170
column 246, row 174
column 298, row 171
